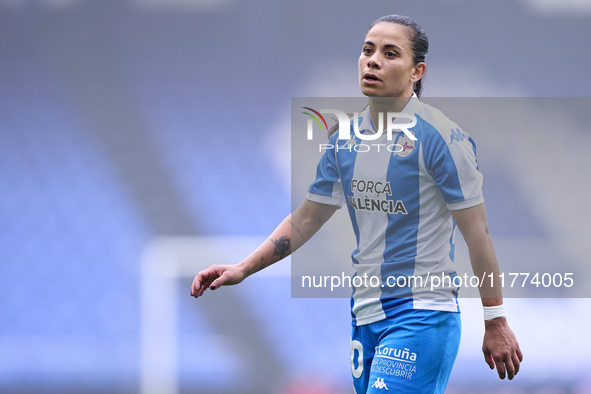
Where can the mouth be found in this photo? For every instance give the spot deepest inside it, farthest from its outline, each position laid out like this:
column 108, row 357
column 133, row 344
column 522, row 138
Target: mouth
column 371, row 79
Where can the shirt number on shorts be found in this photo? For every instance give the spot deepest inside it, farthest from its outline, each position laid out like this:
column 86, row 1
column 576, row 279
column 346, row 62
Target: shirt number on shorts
column 356, row 345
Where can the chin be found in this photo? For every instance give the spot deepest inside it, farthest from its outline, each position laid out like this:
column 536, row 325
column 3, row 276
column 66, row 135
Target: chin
column 369, row 92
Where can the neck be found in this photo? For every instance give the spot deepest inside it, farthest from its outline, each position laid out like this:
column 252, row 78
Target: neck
column 384, row 105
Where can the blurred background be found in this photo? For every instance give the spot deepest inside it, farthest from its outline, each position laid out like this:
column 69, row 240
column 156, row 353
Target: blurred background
column 143, row 140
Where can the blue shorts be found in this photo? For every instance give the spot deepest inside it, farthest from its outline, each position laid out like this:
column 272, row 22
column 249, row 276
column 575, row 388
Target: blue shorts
column 411, row 352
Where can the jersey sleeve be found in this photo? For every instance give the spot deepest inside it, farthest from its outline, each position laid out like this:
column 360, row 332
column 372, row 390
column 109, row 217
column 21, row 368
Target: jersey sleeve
column 450, row 158
column 327, row 187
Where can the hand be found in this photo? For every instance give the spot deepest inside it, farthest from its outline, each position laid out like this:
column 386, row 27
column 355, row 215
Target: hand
column 216, row 276
column 500, row 347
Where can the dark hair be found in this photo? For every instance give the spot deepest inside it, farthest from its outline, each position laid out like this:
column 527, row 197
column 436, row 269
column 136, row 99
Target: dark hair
column 418, row 39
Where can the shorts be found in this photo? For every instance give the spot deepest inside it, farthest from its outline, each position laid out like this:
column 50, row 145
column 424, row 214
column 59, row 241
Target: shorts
column 411, row 352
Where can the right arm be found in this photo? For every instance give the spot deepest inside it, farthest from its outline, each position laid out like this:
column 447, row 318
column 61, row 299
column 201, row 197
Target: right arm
column 292, row 233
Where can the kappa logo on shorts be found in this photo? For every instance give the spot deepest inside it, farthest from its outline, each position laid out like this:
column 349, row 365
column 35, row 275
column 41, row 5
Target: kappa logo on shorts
column 379, row 384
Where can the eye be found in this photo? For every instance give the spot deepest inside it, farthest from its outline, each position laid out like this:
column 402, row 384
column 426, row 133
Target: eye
column 367, row 51
column 391, row 55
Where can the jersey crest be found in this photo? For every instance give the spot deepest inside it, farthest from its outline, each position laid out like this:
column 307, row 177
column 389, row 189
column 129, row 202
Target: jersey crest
column 405, row 146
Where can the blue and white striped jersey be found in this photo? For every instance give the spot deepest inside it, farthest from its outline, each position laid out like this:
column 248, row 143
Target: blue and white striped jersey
column 399, row 199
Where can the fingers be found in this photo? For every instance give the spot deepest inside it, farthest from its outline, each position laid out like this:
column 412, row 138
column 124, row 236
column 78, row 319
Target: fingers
column 217, row 283
column 504, row 363
column 510, row 368
column 516, row 362
column 488, row 358
column 203, row 280
column 517, row 358
column 500, row 367
column 197, row 286
column 507, row 364
column 512, row 360
column 216, row 276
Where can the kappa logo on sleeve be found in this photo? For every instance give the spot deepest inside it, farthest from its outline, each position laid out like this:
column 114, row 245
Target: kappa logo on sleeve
column 457, row 135
column 379, row 384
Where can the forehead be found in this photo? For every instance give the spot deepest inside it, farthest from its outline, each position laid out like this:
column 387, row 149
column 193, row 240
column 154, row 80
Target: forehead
column 384, row 33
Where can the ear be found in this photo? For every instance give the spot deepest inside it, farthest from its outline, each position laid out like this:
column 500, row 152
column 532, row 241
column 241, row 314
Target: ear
column 418, row 71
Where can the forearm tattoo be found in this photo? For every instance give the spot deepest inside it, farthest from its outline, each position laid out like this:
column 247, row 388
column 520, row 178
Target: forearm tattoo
column 282, row 246
column 296, row 228
column 261, row 263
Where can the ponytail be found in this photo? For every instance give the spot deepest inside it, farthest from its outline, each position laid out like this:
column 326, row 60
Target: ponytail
column 418, row 87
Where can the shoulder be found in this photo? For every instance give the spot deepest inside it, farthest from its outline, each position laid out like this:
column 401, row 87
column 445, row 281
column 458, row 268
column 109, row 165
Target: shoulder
column 436, row 127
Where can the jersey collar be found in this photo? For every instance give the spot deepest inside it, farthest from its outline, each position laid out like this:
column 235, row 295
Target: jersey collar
column 366, row 123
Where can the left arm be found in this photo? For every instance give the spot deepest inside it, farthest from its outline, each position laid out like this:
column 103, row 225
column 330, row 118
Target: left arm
column 500, row 346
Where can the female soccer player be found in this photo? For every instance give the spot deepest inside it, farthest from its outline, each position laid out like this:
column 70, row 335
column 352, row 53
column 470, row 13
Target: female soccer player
column 401, row 341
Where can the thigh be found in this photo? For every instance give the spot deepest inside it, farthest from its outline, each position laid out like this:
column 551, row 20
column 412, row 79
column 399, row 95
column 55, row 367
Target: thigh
column 415, row 352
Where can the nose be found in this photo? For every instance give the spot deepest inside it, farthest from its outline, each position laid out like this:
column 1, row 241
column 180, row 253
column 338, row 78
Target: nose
column 374, row 61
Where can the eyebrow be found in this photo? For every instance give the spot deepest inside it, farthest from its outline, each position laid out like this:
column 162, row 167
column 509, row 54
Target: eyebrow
column 387, row 46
